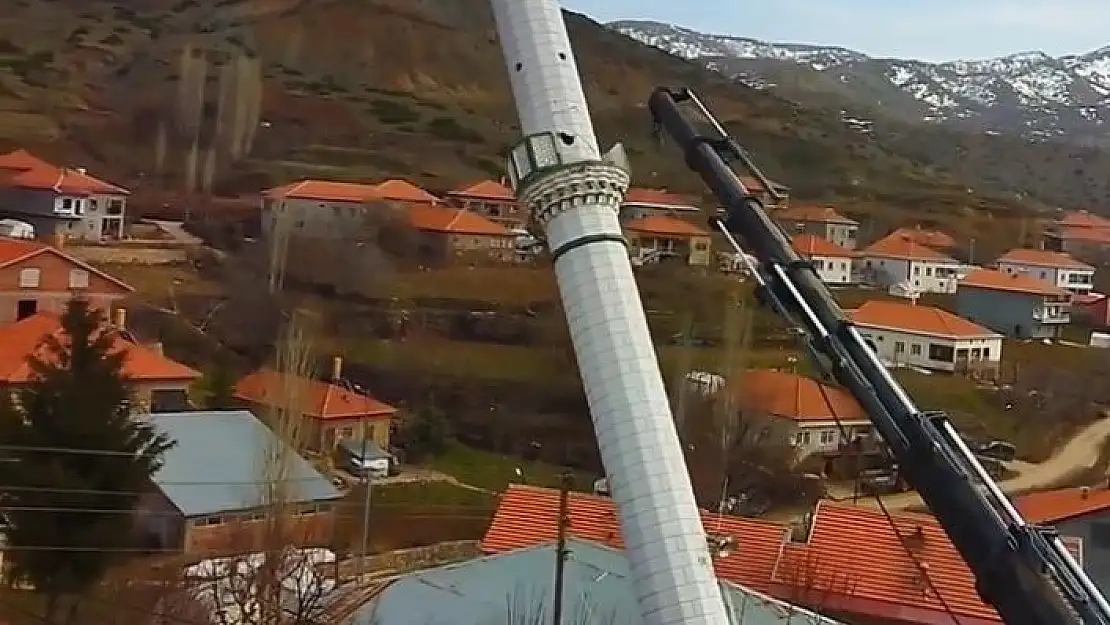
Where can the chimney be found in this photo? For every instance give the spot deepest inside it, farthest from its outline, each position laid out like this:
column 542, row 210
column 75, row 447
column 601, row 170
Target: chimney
column 1084, row 492
column 58, row 239
column 336, row 368
column 119, row 318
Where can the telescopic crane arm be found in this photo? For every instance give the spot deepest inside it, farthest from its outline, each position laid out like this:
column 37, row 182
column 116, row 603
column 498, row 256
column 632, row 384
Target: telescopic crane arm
column 1023, row 570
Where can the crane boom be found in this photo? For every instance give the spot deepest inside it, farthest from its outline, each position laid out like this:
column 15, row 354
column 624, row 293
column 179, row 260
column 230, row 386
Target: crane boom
column 1022, row 570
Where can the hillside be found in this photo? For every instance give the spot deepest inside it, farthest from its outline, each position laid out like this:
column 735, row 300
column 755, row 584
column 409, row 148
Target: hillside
column 1026, row 94
column 249, row 93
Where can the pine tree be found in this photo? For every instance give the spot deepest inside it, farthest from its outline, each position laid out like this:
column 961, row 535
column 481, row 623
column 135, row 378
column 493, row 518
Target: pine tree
column 76, row 461
column 219, row 385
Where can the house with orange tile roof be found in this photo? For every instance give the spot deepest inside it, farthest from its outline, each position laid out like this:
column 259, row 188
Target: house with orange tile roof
column 901, row 263
column 1057, row 268
column 35, row 277
column 333, row 410
column 60, row 200
column 1078, row 232
column 527, row 516
column 161, row 384
column 641, row 202
column 859, row 565
column 821, row 221
column 1016, row 304
column 448, row 235
column 832, row 262
column 939, row 241
column 492, row 200
column 811, row 417
column 321, row 208
column 406, row 193
column 656, row 238
column 757, row 189
column 1082, row 517
column 913, row 335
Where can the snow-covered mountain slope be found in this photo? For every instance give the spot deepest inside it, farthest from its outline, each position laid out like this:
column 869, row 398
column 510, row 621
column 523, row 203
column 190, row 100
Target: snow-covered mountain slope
column 1029, row 93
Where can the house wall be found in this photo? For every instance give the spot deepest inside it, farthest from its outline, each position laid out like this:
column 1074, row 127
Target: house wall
column 54, row 291
column 505, row 212
column 833, row 270
column 822, row 437
column 924, row 276
column 145, row 391
column 51, row 213
column 309, row 525
column 914, row 349
column 696, row 250
column 325, row 434
column 316, row 219
column 1094, row 532
column 632, row 211
column 1075, row 280
column 495, row 248
column 110, row 211
column 1012, row 314
column 843, row 235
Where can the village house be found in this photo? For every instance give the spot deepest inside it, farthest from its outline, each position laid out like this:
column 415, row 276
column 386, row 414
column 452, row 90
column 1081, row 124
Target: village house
column 35, row 277
column 935, row 239
column 211, row 495
column 931, row 338
column 820, row 221
column 832, row 262
column 598, row 573
column 318, row 208
column 405, row 194
column 760, row 191
column 333, row 410
column 1082, row 517
column 899, row 262
column 1080, row 233
column 1057, row 268
column 453, row 234
column 492, row 200
column 60, row 200
column 1015, row 304
column 811, row 417
column 852, row 563
column 640, row 203
column 656, row 238
column 160, row 384
column 1092, row 310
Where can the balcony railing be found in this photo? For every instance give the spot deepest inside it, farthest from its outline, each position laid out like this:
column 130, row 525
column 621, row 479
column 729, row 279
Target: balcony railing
column 1045, row 317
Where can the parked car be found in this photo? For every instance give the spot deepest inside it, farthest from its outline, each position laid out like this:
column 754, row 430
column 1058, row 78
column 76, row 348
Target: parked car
column 999, row 450
column 880, row 482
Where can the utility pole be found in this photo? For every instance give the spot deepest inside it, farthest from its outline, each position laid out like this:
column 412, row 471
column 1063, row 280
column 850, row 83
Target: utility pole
column 365, row 509
column 566, row 480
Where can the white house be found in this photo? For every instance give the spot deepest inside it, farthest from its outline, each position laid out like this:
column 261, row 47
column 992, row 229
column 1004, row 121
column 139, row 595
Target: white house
column 832, row 262
column 803, row 411
column 639, row 203
column 899, row 259
column 927, row 337
column 1059, row 269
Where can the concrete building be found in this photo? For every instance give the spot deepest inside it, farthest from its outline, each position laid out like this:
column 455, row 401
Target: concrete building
column 898, row 260
column 820, row 221
column 1014, row 304
column 656, row 238
column 1059, row 269
column 320, row 208
column 454, row 235
column 926, row 337
column 640, row 203
column 833, row 262
column 211, row 495
column 492, row 200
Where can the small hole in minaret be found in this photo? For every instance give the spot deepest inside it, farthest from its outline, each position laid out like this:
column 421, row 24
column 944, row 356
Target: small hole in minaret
column 566, row 139
column 562, row 56
column 519, row 66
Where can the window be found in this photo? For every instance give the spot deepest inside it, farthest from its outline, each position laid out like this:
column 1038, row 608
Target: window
column 828, row 437
column 943, row 353
column 928, row 271
column 899, row 347
column 29, row 278
column 92, row 206
column 115, row 207
column 986, row 353
column 78, row 279
column 916, row 270
column 915, row 350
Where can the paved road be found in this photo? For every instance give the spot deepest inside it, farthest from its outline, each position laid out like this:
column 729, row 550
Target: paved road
column 176, row 231
column 1079, row 454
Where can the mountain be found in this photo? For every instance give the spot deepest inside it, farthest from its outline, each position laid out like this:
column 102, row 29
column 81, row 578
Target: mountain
column 1028, row 94
column 254, row 93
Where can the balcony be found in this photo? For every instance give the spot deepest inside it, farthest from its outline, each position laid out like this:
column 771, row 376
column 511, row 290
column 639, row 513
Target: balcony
column 1052, row 316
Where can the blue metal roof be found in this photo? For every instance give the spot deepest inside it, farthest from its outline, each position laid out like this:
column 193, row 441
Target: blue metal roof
column 516, row 587
column 218, row 464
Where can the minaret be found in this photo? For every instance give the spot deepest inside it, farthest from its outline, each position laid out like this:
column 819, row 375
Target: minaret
column 574, row 195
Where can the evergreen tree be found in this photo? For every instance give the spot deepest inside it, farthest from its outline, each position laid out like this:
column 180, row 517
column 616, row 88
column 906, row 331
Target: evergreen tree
column 219, row 385
column 76, row 461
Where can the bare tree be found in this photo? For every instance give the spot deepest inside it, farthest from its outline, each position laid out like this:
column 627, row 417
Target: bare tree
column 160, row 148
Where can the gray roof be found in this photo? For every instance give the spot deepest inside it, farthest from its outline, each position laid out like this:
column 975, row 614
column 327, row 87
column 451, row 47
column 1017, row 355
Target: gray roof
column 515, row 587
column 218, row 464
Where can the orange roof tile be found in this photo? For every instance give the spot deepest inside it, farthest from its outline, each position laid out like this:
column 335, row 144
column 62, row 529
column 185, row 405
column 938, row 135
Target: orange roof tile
column 796, row 397
column 454, row 221
column 929, row 238
column 1099, row 236
column 658, row 197
column 1011, row 282
column 323, row 400
column 486, row 190
column 860, row 562
column 1054, row 506
column 21, row 160
column 1083, row 219
column 26, row 338
column 25, row 170
column 661, row 225
column 325, row 191
column 811, row 213
column 404, row 191
column 15, row 250
column 1042, row 258
column 751, row 184
column 905, row 246
column 527, row 516
column 917, row 319
column 809, row 245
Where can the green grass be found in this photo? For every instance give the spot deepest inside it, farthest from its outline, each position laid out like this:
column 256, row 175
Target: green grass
column 494, row 472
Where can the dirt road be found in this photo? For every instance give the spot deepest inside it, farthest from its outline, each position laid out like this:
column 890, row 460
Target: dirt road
column 1081, row 453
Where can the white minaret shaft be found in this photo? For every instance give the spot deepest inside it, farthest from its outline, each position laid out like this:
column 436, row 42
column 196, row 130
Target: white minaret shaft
column 575, row 196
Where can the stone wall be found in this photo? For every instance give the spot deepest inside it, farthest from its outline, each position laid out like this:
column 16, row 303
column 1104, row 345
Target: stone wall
column 417, row 558
column 155, row 253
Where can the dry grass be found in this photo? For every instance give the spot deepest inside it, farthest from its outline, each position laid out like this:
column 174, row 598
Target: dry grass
column 508, row 285
column 159, row 283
